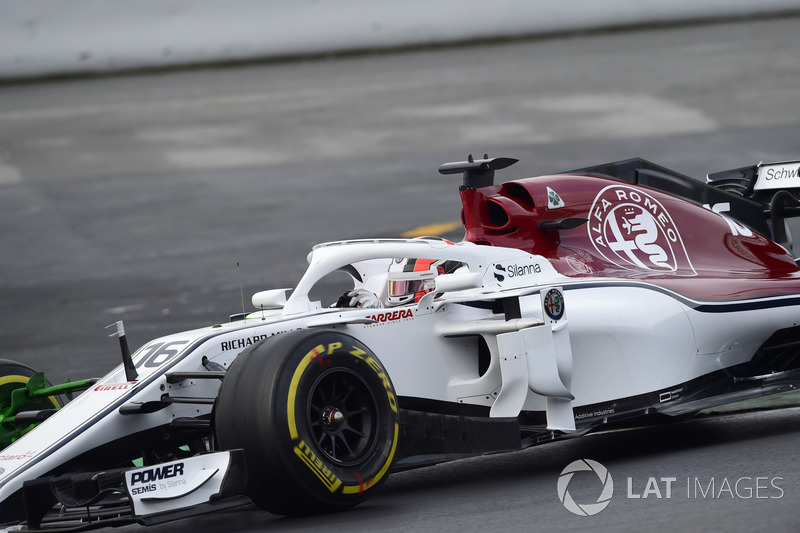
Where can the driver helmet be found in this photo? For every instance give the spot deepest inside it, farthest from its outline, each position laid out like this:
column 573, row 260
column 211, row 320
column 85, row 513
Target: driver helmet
column 411, row 279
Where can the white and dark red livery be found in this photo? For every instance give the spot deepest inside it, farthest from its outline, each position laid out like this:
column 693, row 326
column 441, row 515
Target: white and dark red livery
column 602, row 295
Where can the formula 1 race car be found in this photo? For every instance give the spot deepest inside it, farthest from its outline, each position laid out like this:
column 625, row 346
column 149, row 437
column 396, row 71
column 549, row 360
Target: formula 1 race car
column 606, row 295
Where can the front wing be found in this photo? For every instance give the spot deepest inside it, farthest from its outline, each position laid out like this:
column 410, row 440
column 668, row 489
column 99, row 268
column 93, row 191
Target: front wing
column 147, row 495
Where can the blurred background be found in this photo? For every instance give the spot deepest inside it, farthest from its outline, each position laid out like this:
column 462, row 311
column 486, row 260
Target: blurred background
column 159, row 159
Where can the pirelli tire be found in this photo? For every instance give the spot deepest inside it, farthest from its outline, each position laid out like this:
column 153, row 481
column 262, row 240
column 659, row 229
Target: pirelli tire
column 316, row 415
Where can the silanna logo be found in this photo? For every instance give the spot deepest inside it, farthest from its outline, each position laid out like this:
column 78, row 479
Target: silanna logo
column 514, row 271
column 632, row 230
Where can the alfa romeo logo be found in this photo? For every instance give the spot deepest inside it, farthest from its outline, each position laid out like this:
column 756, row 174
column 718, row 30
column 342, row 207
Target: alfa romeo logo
column 554, row 304
column 632, row 230
column 585, row 509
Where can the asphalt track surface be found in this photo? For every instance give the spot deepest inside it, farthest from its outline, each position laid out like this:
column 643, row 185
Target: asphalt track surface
column 135, row 198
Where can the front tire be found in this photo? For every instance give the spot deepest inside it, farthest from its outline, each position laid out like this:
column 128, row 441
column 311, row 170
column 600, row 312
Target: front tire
column 316, row 415
column 13, row 376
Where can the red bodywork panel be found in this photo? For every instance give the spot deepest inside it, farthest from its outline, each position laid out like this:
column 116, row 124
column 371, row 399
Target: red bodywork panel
column 633, row 232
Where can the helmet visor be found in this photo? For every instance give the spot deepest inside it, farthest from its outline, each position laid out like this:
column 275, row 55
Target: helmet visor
column 403, row 287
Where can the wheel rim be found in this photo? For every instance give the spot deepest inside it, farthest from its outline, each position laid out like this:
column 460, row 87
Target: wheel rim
column 343, row 416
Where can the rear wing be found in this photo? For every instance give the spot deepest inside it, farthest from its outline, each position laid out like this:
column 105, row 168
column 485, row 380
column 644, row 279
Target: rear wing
column 760, row 181
column 775, row 186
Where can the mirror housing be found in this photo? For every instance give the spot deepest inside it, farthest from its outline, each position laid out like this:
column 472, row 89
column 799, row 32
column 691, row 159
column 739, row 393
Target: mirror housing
column 459, row 281
column 271, row 299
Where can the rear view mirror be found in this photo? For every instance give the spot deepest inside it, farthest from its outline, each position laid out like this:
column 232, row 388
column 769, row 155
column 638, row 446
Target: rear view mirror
column 271, row 299
column 458, row 281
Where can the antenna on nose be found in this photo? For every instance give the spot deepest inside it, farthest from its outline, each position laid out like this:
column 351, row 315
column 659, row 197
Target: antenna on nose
column 127, row 361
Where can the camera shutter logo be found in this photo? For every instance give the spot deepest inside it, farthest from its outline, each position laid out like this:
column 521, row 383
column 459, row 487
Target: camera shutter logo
column 585, row 509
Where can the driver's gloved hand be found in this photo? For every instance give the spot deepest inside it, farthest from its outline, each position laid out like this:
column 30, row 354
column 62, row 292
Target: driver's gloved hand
column 344, row 300
column 361, row 298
